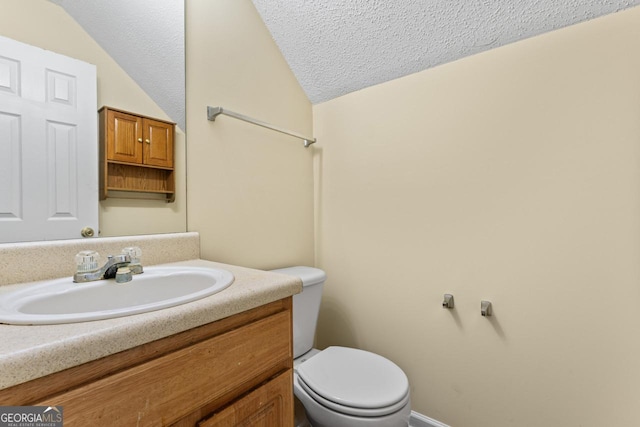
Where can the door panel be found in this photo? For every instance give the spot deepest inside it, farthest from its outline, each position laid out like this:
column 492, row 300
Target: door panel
column 10, row 168
column 158, row 147
column 62, row 171
column 125, row 139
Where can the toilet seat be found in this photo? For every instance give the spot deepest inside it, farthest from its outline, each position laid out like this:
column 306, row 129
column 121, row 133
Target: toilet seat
column 348, row 410
column 354, row 382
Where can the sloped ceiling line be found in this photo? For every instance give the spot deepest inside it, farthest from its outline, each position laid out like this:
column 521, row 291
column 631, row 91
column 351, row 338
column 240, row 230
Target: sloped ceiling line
column 333, row 47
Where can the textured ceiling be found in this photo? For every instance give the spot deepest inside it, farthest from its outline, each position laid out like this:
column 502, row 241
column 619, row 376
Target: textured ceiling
column 339, row 46
column 146, row 38
column 332, row 46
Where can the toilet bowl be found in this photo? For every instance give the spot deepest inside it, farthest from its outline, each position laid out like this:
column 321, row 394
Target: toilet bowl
column 341, row 386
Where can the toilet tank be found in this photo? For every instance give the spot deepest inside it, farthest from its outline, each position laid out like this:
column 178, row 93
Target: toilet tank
column 306, row 306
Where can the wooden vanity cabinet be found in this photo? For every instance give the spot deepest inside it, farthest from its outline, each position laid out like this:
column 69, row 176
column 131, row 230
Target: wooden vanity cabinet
column 236, row 371
column 136, row 153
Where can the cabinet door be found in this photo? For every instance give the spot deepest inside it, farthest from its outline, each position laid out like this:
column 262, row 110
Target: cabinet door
column 270, row 405
column 158, row 146
column 124, row 137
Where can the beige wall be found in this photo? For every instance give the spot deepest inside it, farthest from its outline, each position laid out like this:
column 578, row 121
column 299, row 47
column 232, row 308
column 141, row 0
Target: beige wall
column 511, row 176
column 250, row 189
column 46, row 25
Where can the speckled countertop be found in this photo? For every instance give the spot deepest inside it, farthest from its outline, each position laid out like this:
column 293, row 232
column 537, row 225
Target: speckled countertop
column 29, row 352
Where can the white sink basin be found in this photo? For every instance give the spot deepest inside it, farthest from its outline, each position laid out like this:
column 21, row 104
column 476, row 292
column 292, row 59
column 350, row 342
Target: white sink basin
column 63, row 301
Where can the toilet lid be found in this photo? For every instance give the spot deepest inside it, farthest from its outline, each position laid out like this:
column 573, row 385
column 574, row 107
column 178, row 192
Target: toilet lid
column 353, row 378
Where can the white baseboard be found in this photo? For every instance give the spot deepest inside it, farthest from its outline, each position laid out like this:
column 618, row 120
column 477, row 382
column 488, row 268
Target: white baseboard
column 419, row 420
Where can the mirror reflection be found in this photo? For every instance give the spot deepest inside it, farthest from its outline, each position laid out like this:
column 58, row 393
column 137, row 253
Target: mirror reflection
column 139, row 68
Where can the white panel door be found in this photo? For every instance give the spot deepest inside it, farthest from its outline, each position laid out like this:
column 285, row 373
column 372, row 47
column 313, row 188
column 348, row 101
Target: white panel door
column 48, row 144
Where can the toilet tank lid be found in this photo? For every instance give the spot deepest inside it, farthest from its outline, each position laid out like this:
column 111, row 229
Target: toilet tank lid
column 308, row 275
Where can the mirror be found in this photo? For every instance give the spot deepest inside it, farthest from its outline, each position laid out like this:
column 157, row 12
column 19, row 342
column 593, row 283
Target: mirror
column 138, row 50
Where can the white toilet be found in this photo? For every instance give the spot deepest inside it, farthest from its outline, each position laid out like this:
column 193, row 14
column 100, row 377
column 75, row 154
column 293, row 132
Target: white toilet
column 339, row 386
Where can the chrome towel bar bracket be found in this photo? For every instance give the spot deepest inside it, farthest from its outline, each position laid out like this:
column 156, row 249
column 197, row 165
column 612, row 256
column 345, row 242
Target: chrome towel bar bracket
column 486, row 309
column 448, row 301
column 213, row 112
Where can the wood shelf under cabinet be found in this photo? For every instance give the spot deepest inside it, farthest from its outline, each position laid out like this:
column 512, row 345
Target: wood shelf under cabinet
column 136, row 154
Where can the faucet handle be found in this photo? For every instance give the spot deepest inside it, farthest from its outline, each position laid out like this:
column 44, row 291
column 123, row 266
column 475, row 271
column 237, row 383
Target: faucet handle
column 134, row 253
column 87, row 261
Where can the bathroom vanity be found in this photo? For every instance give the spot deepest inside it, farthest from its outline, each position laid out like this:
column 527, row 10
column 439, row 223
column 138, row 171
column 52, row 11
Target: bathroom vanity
column 224, row 360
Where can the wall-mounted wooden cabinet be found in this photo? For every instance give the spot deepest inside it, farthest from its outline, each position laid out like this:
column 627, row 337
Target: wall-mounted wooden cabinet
column 136, row 153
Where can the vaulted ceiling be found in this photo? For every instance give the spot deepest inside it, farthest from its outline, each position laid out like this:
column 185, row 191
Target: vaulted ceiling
column 339, row 46
column 333, row 47
column 146, row 38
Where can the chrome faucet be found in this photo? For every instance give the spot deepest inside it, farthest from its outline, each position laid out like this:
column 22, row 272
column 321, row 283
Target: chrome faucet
column 108, row 271
column 121, row 267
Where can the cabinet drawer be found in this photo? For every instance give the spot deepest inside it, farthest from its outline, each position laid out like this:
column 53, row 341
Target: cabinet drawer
column 163, row 390
column 267, row 406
